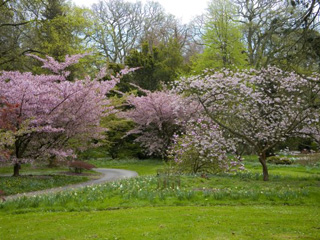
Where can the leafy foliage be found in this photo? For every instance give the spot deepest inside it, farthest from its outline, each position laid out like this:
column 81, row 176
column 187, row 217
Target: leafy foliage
column 279, row 160
column 117, row 142
column 222, row 39
column 158, row 65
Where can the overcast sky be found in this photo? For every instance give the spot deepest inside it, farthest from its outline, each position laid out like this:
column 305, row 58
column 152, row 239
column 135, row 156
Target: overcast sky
column 182, row 9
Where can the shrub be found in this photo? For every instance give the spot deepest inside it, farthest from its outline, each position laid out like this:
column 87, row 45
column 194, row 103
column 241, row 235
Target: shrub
column 78, row 166
column 279, row 160
column 118, row 143
column 203, row 149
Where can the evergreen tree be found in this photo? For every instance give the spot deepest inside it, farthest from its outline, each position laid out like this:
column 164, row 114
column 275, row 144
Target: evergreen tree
column 158, row 65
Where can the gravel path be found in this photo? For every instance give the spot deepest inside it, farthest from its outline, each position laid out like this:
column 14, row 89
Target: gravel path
column 108, row 175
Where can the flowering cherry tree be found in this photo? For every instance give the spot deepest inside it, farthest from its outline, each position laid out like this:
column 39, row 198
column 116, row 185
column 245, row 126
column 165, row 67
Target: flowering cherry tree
column 60, row 114
column 203, row 148
column 158, row 116
column 259, row 108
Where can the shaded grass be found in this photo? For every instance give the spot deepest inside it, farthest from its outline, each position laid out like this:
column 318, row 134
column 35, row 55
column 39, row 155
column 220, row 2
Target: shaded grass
column 217, row 222
column 39, row 177
column 14, row 185
column 31, row 169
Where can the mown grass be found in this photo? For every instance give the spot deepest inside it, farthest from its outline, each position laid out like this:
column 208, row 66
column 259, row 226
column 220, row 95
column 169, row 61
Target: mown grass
column 294, row 170
column 172, row 222
column 142, row 167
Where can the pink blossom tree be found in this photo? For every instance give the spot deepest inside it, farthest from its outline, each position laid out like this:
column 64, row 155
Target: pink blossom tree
column 158, row 116
column 61, row 115
column 260, row 108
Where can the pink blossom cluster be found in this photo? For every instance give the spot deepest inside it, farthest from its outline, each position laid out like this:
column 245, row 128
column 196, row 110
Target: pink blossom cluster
column 159, row 115
column 60, row 113
column 58, row 67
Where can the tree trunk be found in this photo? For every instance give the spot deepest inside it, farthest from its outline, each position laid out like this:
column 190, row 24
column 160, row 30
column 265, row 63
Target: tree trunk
column 263, row 161
column 52, row 162
column 16, row 170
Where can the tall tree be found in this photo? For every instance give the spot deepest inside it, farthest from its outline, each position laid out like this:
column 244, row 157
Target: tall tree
column 54, row 28
column 160, row 27
column 161, row 65
column 117, row 27
column 121, row 26
column 277, row 32
column 222, row 38
column 16, row 20
column 62, row 29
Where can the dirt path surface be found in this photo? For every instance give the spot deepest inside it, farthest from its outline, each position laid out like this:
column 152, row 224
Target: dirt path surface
column 108, row 175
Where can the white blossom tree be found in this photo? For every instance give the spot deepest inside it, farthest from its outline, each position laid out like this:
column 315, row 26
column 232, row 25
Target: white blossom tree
column 260, row 108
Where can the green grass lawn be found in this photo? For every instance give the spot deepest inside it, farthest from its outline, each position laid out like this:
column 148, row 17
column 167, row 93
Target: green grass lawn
column 14, row 185
column 171, row 222
column 284, row 170
column 222, row 206
column 142, row 167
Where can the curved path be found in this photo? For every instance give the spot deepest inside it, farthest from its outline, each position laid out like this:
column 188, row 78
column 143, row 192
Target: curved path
column 108, row 175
